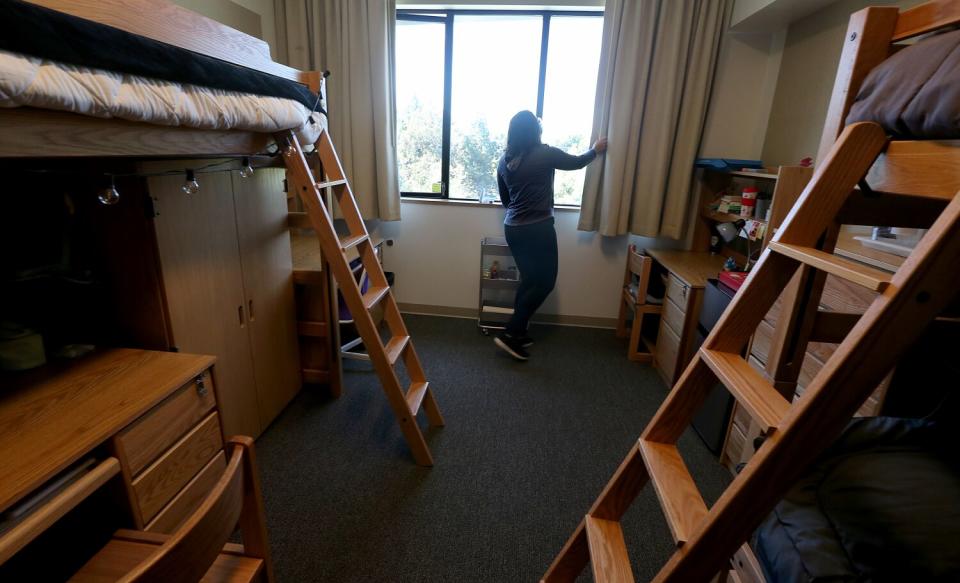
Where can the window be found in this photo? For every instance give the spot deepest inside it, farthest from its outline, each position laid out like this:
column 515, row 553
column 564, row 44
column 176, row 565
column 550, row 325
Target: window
column 461, row 75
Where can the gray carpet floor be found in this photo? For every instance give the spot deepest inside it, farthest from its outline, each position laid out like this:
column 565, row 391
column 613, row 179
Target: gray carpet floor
column 526, row 450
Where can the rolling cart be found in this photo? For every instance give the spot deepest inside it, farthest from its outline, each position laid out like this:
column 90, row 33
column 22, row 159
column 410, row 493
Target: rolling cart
column 499, row 280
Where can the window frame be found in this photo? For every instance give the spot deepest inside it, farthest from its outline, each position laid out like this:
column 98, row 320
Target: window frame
column 447, row 16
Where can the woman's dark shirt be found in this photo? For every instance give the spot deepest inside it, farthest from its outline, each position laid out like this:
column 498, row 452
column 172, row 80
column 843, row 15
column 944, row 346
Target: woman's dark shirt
column 526, row 189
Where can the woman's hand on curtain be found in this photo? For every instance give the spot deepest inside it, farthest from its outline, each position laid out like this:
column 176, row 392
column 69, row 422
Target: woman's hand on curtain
column 600, row 146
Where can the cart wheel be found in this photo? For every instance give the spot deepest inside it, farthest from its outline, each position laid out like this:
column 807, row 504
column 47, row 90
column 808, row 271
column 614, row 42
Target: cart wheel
column 485, row 331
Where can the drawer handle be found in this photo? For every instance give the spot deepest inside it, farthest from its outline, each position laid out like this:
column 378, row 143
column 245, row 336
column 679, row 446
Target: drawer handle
column 201, row 386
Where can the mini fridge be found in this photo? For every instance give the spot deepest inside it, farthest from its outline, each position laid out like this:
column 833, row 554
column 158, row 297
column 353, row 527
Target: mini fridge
column 711, row 421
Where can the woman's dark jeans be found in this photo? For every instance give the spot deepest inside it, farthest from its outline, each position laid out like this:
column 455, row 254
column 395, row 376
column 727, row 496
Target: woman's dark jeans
column 534, row 248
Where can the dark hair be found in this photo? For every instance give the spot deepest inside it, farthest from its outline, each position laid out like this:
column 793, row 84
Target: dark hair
column 524, row 134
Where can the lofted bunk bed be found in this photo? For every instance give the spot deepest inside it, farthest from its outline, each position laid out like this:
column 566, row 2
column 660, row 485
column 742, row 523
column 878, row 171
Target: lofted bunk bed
column 823, row 498
column 135, row 78
column 154, row 149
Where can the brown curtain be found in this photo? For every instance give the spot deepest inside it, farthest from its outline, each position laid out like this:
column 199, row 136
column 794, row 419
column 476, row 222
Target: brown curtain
column 656, row 73
column 354, row 40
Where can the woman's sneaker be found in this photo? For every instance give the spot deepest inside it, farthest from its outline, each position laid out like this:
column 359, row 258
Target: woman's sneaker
column 525, row 341
column 511, row 345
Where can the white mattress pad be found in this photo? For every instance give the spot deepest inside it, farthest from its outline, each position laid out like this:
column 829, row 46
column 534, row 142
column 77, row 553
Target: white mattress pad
column 33, row 82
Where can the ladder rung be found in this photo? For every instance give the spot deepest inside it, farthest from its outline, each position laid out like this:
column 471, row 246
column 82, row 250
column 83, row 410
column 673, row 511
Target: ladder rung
column 374, row 295
column 415, row 395
column 309, row 277
column 352, row 241
column 868, row 277
column 322, row 185
column 395, row 348
column 764, row 404
column 312, row 329
column 608, row 551
column 314, row 376
column 297, row 220
column 679, row 496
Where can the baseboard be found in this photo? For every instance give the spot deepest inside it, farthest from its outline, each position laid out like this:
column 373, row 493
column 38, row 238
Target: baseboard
column 471, row 313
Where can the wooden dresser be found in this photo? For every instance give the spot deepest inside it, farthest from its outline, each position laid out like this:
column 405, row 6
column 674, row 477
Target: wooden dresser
column 838, row 296
column 687, row 273
column 148, row 419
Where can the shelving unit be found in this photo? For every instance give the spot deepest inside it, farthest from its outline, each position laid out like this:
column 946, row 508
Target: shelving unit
column 784, row 186
column 495, row 304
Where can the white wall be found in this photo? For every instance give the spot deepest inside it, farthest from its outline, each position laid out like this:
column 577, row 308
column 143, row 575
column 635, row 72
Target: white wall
column 437, row 259
column 743, row 90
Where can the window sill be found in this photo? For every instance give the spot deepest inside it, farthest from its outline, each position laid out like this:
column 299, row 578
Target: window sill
column 474, row 203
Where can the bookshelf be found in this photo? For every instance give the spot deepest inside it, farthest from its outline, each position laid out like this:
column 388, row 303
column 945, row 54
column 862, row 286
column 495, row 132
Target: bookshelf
column 784, row 186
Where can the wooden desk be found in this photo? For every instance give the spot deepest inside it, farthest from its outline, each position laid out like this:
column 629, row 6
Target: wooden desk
column 148, row 416
column 687, row 274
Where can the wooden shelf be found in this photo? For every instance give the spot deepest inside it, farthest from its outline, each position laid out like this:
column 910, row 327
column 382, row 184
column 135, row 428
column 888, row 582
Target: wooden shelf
column 726, row 217
column 504, row 283
column 757, row 175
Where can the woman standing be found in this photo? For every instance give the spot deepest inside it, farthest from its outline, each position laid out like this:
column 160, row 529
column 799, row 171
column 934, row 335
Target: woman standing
column 525, row 180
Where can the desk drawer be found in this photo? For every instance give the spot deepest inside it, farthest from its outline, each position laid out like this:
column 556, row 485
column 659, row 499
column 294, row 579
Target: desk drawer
column 187, row 501
column 762, row 339
column 678, row 291
column 674, row 316
column 166, row 476
column 155, row 431
column 667, row 351
column 733, row 450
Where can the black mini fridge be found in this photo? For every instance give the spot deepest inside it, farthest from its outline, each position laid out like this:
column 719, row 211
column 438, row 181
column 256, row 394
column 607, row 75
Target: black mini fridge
column 714, row 416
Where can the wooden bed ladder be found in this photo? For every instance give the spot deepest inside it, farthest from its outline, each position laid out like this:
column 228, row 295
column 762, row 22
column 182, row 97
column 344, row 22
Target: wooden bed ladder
column 795, row 433
column 405, row 404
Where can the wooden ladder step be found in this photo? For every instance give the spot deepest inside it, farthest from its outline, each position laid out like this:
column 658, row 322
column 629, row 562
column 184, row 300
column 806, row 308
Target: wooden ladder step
column 868, row 277
column 329, row 183
column 764, row 404
column 352, row 241
column 296, row 220
column 608, row 551
column 415, row 395
column 309, row 277
column 374, row 295
column 395, row 348
column 315, row 376
column 312, row 329
column 679, row 496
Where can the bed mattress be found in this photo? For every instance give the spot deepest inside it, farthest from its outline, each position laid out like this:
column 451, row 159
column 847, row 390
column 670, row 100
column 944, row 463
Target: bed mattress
column 882, row 504
column 27, row 81
column 915, row 93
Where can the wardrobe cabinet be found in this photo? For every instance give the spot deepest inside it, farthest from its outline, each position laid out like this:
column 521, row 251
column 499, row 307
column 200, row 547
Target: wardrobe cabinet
column 227, row 274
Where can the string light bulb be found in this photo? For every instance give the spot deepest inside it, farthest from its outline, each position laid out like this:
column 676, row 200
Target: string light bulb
column 109, row 195
column 190, row 185
column 246, row 170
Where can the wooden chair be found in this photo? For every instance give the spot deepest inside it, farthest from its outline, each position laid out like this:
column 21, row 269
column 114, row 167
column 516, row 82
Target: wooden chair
column 634, row 300
column 198, row 550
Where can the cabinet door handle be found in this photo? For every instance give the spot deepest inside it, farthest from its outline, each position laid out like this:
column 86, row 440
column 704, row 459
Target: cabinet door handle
column 240, row 314
column 250, row 310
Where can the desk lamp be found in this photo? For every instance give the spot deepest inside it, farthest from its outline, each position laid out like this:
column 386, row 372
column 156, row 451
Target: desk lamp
column 729, row 231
